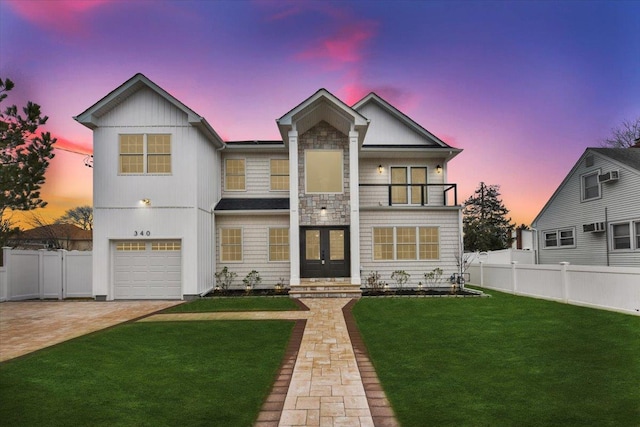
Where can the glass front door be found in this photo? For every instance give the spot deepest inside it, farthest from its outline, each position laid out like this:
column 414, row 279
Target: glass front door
column 324, row 252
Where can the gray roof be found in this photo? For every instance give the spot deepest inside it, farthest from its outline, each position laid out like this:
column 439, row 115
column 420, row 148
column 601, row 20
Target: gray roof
column 627, row 156
column 246, row 204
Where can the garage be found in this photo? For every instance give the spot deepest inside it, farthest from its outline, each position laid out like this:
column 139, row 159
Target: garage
column 147, row 269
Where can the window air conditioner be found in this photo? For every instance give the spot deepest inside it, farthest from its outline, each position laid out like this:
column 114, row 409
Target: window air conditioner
column 594, row 227
column 609, row 176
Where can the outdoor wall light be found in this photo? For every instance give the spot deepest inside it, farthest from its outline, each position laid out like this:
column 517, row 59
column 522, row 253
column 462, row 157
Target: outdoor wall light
column 146, row 202
column 380, row 169
column 438, row 169
column 323, row 210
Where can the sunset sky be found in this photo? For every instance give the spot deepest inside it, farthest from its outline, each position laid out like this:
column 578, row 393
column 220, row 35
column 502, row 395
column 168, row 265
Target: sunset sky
column 523, row 87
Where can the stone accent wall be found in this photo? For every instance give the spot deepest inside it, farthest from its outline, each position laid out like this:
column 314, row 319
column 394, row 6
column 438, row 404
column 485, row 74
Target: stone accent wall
column 324, row 136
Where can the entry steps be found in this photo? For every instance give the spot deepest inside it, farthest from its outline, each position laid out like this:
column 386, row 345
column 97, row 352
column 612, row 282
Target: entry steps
column 339, row 287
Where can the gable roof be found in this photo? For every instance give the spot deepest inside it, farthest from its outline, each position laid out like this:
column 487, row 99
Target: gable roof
column 134, row 84
column 626, row 157
column 55, row 231
column 322, row 105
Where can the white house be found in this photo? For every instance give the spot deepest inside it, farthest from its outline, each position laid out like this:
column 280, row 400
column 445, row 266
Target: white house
column 593, row 218
column 348, row 190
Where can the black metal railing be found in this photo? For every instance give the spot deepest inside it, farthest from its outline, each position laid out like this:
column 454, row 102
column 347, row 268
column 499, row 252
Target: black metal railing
column 446, row 188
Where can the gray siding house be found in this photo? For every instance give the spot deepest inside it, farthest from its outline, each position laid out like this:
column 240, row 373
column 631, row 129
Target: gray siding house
column 593, row 218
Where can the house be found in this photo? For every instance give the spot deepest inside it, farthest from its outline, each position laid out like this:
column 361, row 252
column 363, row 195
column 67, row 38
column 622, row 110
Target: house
column 593, row 218
column 346, row 191
column 54, row 236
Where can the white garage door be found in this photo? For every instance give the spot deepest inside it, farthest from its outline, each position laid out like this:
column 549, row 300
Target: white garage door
column 148, row 269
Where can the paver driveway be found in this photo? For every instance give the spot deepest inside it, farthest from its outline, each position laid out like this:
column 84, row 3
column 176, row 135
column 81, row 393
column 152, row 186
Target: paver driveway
column 26, row 326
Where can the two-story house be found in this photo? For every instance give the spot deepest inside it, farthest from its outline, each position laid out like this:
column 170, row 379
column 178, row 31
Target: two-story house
column 593, row 218
column 348, row 190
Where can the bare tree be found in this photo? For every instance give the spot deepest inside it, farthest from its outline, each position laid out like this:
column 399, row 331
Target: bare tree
column 624, row 136
column 81, row 216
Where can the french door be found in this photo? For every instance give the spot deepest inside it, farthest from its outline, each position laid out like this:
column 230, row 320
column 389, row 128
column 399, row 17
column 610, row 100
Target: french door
column 324, row 252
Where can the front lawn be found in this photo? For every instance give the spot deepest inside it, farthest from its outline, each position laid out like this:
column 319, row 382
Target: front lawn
column 235, row 304
column 503, row 361
column 148, row 374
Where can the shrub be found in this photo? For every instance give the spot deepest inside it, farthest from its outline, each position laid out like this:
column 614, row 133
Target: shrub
column 224, row 278
column 433, row 277
column 401, row 277
column 252, row 279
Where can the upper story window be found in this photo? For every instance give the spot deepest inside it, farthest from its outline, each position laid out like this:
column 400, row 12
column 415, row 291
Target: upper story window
column 279, row 172
column 590, row 186
column 405, row 194
column 323, row 171
column 234, row 175
column 144, row 154
column 559, row 238
column 626, row 235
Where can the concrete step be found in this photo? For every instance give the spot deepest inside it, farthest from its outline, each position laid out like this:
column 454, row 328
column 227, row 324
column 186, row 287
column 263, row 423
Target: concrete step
column 329, row 288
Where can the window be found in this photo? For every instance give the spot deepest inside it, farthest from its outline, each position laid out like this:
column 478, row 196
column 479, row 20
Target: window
column 621, row 236
column 172, row 245
column 144, row 153
column 323, row 171
column 590, row 186
column 130, row 246
column 278, row 244
column 402, row 194
column 406, row 243
column 559, row 238
column 279, row 170
column 636, row 225
column 234, row 179
column 231, row 244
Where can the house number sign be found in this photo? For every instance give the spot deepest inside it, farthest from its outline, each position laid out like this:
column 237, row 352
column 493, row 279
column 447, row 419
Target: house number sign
column 141, row 233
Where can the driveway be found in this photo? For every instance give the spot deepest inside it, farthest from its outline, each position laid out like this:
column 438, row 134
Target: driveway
column 28, row 326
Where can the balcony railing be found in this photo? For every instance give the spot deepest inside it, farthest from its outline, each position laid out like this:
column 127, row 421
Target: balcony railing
column 409, row 194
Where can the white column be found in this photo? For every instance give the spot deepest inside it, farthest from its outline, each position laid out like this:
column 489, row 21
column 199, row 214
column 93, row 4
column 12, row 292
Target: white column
column 354, row 189
column 294, row 215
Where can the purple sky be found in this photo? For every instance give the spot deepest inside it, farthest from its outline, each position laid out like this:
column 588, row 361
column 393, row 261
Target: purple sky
column 523, row 87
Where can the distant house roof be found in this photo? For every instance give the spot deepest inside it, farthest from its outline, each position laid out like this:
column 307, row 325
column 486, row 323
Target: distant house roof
column 234, row 204
column 627, row 156
column 58, row 231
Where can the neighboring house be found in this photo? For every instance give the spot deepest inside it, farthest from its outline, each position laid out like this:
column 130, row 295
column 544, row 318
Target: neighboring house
column 593, row 218
column 348, row 190
column 54, row 236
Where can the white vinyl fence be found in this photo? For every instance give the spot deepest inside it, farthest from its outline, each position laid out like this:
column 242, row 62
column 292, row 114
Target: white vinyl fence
column 45, row 274
column 608, row 288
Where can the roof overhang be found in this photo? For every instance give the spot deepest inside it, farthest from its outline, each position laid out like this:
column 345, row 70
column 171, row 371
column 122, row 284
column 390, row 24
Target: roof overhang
column 420, row 151
column 322, row 106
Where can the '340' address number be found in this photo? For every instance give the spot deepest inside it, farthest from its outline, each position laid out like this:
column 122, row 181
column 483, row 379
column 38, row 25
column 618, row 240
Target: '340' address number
column 142, row 233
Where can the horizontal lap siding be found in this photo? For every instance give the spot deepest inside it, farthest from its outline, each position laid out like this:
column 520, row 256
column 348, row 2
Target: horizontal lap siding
column 255, row 248
column 447, row 221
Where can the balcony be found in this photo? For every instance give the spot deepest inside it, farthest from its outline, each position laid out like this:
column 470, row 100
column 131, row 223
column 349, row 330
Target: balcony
column 408, row 195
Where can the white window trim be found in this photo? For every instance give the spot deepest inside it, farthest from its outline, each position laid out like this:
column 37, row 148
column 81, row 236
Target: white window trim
column 634, row 228
column 145, row 155
column 306, row 176
column 277, row 261
column 582, row 187
column 395, row 244
column 270, row 159
column 408, row 168
column 557, row 231
column 224, row 176
column 241, row 260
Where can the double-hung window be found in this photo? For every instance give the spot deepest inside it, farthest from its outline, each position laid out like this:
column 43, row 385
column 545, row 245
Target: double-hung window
column 230, row 244
column 144, row 154
column 234, row 175
column 279, row 174
column 403, row 185
column 405, row 243
column 278, row 244
column 621, row 235
column 590, row 186
column 559, row 238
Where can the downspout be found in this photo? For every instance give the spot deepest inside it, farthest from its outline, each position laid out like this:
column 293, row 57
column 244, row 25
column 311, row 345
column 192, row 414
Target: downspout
column 606, row 234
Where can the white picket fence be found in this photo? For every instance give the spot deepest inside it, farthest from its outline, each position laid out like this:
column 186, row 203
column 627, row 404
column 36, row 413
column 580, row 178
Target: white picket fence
column 608, row 288
column 45, row 274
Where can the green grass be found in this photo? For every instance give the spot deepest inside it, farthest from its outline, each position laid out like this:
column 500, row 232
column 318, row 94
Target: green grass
column 148, row 374
column 235, row 304
column 503, row 361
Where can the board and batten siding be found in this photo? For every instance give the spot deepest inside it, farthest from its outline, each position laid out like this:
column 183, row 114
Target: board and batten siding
column 379, row 196
column 255, row 248
column 448, row 225
column 257, row 174
column 385, row 129
column 567, row 210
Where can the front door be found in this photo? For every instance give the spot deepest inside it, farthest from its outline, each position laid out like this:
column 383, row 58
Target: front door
column 324, row 252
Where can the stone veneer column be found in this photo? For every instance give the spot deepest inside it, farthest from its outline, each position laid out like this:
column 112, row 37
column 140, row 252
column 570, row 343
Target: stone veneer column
column 294, row 219
column 355, row 208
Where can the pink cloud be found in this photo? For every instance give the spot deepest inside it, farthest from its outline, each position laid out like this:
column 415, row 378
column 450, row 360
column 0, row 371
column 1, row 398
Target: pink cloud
column 65, row 16
column 400, row 98
column 344, row 47
column 278, row 10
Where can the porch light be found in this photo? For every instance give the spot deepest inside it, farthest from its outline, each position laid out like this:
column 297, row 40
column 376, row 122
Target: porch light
column 438, row 169
column 146, row 202
column 380, row 169
column 323, row 210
